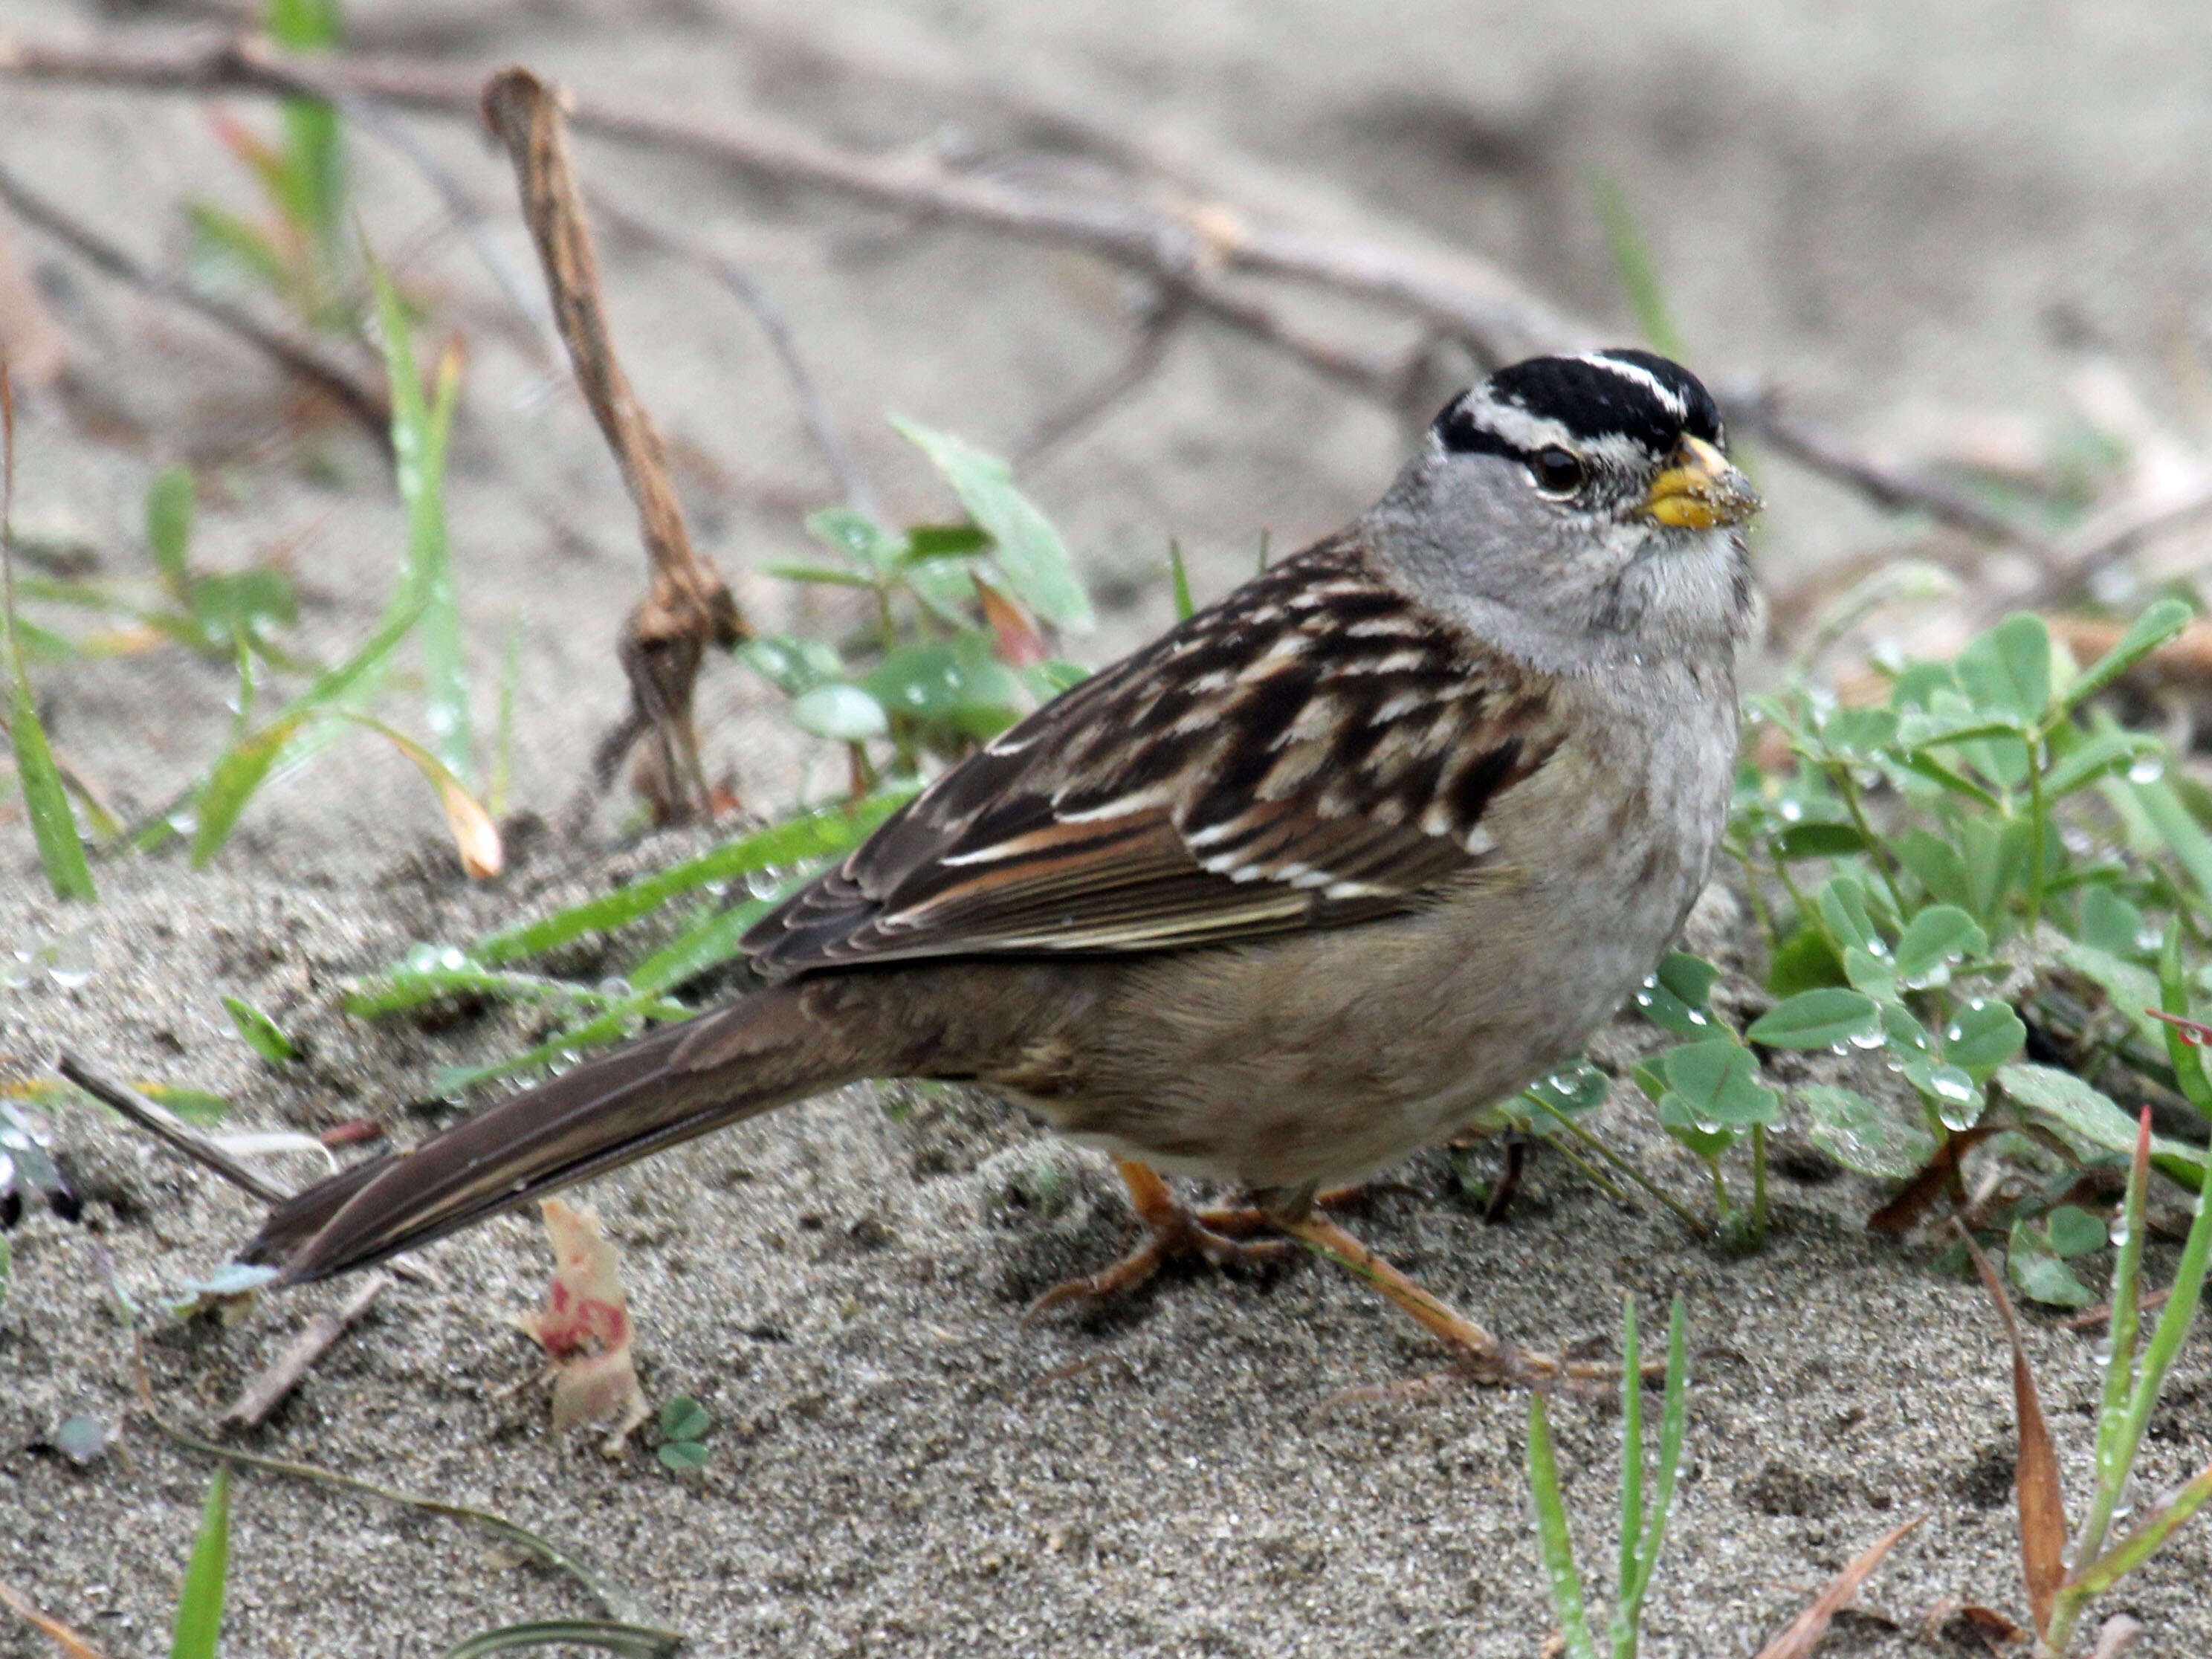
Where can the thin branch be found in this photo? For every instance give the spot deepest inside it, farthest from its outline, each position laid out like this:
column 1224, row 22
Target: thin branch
column 755, row 298
column 1759, row 409
column 267, row 1388
column 301, row 357
column 169, row 1129
column 1461, row 296
column 1191, row 247
column 2111, row 536
column 1163, row 314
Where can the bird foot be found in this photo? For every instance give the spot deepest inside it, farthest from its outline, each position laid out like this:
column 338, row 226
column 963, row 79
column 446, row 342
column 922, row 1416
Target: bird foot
column 1218, row 1237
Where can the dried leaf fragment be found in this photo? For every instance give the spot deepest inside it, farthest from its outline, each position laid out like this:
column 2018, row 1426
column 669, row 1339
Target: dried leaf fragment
column 585, row 1329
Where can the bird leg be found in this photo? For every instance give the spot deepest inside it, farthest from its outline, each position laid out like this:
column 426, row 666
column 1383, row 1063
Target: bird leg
column 1173, row 1233
column 1220, row 1236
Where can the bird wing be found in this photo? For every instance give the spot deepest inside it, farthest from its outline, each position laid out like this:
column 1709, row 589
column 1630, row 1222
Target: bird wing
column 1314, row 749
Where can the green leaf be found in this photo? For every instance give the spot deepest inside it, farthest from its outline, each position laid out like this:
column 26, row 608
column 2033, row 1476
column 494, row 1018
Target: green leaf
column 2035, row 1267
column 1863, row 1136
column 169, row 527
column 1803, row 962
column 681, row 1455
column 199, row 1604
column 1871, row 974
column 1818, row 1020
column 2159, row 624
column 1638, row 271
column 231, row 784
column 2110, row 923
column 1674, row 997
column 821, row 576
column 2074, row 1231
column 708, row 944
column 791, row 664
column 2183, row 834
column 2097, row 757
column 1817, row 841
column 45, row 801
column 1716, row 1084
column 859, row 537
column 261, row 1032
column 2131, row 988
column 420, row 432
column 1955, row 1096
column 959, row 684
column 925, row 542
column 1935, row 938
column 2089, row 1119
column 1676, row 1118
column 1983, row 1035
column 1844, row 907
column 842, row 712
column 1572, row 1090
column 684, row 1419
column 2007, row 670
column 223, row 242
column 1860, row 733
column 1029, row 551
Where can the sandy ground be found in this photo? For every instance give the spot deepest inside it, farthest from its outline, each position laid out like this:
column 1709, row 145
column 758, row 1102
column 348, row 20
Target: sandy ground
column 1903, row 209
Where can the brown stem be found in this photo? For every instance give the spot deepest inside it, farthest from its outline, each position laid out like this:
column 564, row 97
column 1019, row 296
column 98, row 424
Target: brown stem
column 688, row 607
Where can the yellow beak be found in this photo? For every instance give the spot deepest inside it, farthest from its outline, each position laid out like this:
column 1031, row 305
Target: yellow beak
column 1700, row 489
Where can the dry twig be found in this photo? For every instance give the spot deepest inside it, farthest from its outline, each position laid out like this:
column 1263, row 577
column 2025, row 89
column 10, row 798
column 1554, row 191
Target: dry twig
column 267, row 1388
column 688, row 607
column 301, row 357
column 1188, row 247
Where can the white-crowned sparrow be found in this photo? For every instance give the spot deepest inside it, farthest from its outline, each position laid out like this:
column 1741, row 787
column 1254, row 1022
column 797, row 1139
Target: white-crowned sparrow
column 1307, row 883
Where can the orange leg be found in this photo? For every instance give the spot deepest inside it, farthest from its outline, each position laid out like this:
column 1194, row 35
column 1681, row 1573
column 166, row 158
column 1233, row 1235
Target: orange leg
column 1173, row 1232
column 1217, row 1235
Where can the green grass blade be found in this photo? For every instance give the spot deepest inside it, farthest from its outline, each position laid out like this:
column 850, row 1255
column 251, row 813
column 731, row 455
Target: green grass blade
column 53, row 827
column 797, row 841
column 706, row 944
column 1622, row 1635
column 1551, row 1535
column 632, row 1641
column 169, row 529
column 2175, row 1318
column 1638, row 271
column 2142, row 1543
column 420, row 431
column 199, row 1605
column 397, row 990
column 1183, row 605
column 234, row 778
column 1673, row 1424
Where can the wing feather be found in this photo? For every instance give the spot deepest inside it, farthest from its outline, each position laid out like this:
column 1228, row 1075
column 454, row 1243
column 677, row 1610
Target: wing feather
column 1315, row 749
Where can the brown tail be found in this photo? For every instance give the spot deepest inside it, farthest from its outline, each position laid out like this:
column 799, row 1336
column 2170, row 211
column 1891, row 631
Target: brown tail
column 764, row 1051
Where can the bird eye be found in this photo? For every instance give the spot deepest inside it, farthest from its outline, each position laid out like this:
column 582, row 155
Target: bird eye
column 1557, row 471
